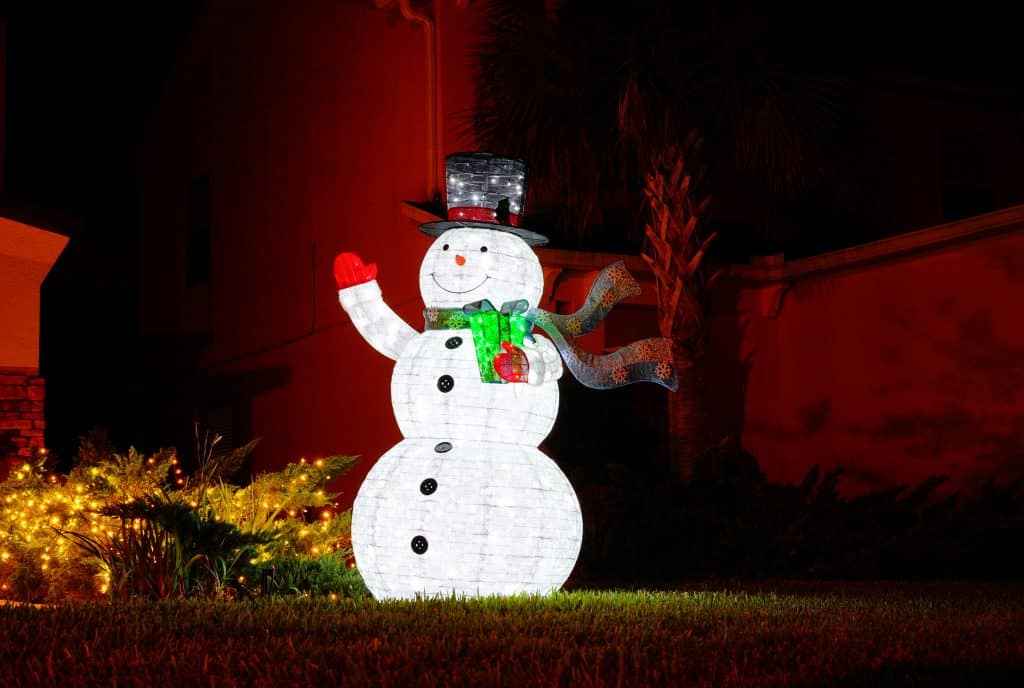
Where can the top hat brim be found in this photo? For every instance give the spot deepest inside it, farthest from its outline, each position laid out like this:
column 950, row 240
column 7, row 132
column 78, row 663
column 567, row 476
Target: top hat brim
column 438, row 228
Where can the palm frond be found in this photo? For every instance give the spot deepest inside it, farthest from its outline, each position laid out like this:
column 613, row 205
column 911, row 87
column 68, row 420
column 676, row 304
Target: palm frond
column 590, row 94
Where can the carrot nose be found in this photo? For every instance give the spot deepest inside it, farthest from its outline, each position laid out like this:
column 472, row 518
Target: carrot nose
column 460, row 260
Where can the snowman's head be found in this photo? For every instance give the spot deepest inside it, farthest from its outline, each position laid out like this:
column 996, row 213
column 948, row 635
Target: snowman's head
column 467, row 264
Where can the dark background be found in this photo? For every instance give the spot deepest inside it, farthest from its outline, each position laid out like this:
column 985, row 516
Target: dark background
column 79, row 86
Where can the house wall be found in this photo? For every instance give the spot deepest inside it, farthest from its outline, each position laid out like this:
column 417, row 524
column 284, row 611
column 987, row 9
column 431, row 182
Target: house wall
column 19, row 311
column 898, row 369
column 309, row 120
column 26, row 256
column 22, row 421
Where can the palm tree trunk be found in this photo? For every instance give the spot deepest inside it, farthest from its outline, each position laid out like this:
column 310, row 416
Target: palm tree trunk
column 690, row 420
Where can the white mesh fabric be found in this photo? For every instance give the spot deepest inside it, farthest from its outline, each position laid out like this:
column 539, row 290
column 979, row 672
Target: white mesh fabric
column 380, row 326
column 503, row 520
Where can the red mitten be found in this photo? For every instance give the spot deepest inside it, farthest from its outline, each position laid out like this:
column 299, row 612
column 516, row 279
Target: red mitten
column 350, row 271
column 512, row 366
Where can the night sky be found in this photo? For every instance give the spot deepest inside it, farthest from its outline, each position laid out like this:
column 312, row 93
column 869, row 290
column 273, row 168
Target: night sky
column 81, row 83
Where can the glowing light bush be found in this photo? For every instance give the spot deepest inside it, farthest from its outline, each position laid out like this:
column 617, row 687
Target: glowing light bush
column 129, row 524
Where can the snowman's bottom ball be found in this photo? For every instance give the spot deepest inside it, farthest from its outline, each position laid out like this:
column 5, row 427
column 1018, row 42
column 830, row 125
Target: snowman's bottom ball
column 482, row 518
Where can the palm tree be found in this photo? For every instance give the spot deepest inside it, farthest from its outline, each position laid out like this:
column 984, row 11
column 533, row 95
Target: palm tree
column 601, row 100
column 675, row 248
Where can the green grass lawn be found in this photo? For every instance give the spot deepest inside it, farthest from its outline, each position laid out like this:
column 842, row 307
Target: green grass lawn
column 783, row 634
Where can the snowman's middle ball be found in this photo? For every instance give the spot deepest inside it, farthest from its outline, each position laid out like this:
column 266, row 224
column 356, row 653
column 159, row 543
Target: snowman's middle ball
column 435, row 388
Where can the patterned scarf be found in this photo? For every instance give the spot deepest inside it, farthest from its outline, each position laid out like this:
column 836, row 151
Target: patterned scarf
column 647, row 360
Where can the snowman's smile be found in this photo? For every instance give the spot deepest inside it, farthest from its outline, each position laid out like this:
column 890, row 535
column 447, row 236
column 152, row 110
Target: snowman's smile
column 433, row 276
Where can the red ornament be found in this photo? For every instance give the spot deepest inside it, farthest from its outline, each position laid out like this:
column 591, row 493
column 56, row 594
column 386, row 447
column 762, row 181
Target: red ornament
column 512, row 366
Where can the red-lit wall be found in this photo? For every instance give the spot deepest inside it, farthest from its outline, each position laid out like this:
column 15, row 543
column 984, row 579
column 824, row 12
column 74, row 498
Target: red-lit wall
column 897, row 369
column 310, row 119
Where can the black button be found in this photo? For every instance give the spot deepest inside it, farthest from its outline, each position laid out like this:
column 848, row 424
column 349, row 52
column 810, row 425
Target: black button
column 454, row 343
column 442, row 447
column 419, row 544
column 445, row 383
column 428, row 486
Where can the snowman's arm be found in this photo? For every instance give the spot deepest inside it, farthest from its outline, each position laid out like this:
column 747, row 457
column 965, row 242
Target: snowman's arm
column 380, row 326
column 545, row 362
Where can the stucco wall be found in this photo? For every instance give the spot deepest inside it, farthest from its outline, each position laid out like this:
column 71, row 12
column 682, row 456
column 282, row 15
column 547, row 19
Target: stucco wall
column 26, row 256
column 310, row 121
column 897, row 370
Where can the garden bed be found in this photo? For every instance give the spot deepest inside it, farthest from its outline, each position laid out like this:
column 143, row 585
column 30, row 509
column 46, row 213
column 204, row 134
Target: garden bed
column 771, row 634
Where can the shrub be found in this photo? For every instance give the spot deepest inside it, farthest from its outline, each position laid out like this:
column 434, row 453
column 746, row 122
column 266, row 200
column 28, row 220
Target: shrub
column 324, row 575
column 132, row 525
column 733, row 523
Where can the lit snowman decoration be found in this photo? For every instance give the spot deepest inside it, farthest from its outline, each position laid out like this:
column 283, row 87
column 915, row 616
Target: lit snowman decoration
column 466, row 504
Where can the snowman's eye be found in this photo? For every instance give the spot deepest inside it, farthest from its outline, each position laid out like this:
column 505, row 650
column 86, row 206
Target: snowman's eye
column 483, row 249
column 445, row 247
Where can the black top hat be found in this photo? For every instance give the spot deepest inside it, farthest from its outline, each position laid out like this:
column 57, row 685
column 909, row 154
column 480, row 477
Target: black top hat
column 485, row 191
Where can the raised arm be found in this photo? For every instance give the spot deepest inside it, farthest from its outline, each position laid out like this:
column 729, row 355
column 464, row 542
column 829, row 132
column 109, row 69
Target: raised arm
column 359, row 294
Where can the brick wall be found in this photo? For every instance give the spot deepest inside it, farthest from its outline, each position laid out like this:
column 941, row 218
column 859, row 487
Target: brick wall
column 22, row 423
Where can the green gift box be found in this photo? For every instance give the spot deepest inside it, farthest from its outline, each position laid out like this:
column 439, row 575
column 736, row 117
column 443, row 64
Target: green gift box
column 491, row 328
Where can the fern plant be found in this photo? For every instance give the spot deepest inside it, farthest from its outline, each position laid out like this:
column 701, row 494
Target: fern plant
column 130, row 524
